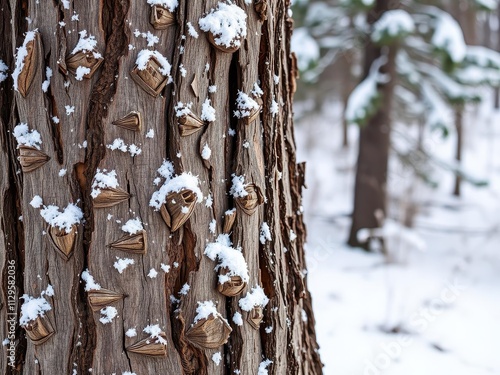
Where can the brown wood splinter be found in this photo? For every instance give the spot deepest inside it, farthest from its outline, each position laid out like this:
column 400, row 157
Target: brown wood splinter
column 178, row 208
column 150, row 79
column 39, row 330
column 255, row 317
column 30, row 64
column 109, row 197
column 229, row 219
column 86, row 59
column 100, row 298
column 260, row 7
column 134, row 244
column 31, row 158
column 233, row 47
column 251, row 201
column 161, row 18
column 131, row 121
column 190, row 124
column 62, row 241
column 210, row 333
column 232, row 287
column 153, row 347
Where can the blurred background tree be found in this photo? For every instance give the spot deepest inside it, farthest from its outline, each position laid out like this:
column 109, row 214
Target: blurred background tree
column 416, row 63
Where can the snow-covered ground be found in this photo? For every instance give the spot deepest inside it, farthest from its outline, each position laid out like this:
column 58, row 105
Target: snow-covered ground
column 432, row 310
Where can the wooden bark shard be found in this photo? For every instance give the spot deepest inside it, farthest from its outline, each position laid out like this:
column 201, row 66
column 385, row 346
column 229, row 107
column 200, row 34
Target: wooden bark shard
column 190, row 124
column 135, row 243
column 161, row 18
column 251, row 201
column 150, row 79
column 109, row 197
column 229, row 219
column 255, row 317
column 30, row 64
column 295, row 72
column 31, row 158
column 178, row 208
column 153, row 347
column 101, row 298
column 62, row 241
column 194, row 86
column 132, row 121
column 254, row 114
column 261, row 9
column 39, row 330
column 89, row 59
column 210, row 333
column 232, row 287
column 233, row 47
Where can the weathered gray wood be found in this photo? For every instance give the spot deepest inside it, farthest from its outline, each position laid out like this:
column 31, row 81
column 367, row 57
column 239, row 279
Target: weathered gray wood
column 81, row 342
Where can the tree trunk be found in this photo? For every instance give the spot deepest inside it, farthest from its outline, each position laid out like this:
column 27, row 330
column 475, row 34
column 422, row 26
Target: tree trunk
column 261, row 150
column 459, row 114
column 374, row 141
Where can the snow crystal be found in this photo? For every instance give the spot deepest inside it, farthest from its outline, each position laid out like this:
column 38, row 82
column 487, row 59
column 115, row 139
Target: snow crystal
column 269, row 329
column 131, row 332
column 90, row 283
column 206, row 152
column 293, row 236
column 238, row 187
column 212, row 226
column 85, row 44
column 204, row 310
column 36, row 201
column 32, row 308
column 21, row 54
column 174, row 184
column 108, row 314
column 237, row 319
column 3, row 71
column 182, row 109
column 69, row 109
column 152, row 273
column 25, row 137
column 245, row 105
column 183, row 70
column 191, row 30
column 119, row 144
column 274, row 110
column 70, row 216
column 103, row 180
column 227, row 23
column 80, row 72
column 65, row 4
column 55, row 120
column 303, row 315
column 75, row 17
column 265, row 233
column 257, row 91
column 154, row 331
column 448, row 36
column 62, row 172
column 393, row 23
column 256, row 297
column 132, row 226
column 165, row 267
column 212, row 89
column 229, row 258
column 122, row 263
column 209, row 201
column 185, row 289
column 150, row 133
column 46, row 83
column 217, row 358
column 145, row 55
column 263, row 367
column 171, row 5
column 207, row 111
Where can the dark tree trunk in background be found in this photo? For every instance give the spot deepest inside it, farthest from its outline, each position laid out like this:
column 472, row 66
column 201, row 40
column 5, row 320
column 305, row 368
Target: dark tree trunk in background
column 262, row 150
column 371, row 175
column 459, row 112
column 497, row 90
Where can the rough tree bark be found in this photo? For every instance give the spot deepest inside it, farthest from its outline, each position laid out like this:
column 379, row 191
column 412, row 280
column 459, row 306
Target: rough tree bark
column 263, row 151
column 459, row 128
column 374, row 139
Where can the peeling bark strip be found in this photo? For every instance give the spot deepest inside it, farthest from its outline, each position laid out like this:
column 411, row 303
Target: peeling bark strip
column 161, row 107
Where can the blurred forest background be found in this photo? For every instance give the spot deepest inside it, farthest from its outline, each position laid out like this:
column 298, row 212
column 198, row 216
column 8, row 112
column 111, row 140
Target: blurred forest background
column 397, row 114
